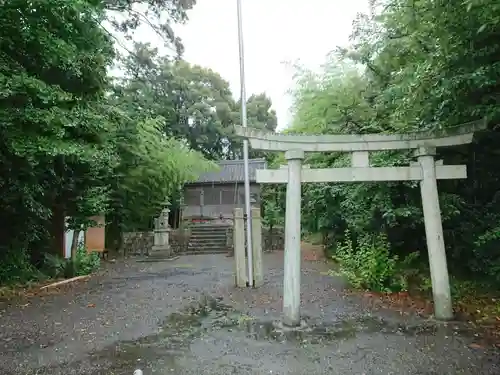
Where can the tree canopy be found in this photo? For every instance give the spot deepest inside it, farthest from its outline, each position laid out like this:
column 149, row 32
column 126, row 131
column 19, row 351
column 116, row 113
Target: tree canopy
column 411, row 66
column 77, row 142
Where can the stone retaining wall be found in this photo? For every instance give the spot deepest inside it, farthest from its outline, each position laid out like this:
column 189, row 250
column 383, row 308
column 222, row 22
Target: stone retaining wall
column 271, row 240
column 141, row 242
column 137, row 242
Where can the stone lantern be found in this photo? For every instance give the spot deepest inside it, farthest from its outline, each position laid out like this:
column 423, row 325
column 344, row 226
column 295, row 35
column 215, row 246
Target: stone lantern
column 161, row 246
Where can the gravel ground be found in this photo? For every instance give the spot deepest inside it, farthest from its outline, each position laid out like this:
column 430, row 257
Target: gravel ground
column 185, row 317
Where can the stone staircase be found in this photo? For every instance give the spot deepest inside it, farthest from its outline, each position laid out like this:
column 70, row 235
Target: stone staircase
column 208, row 239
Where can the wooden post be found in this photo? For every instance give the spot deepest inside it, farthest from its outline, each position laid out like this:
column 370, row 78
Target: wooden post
column 258, row 272
column 239, row 248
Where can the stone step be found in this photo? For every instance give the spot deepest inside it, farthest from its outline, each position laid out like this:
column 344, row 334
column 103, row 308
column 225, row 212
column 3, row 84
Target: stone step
column 206, row 246
column 208, row 234
column 210, row 229
column 210, row 244
column 208, row 239
column 210, row 225
column 204, row 252
column 207, row 243
column 212, row 239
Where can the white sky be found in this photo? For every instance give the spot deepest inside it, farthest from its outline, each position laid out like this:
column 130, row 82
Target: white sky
column 275, row 32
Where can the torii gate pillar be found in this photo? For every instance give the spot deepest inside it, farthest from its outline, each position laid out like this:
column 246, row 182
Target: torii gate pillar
column 291, row 282
column 434, row 234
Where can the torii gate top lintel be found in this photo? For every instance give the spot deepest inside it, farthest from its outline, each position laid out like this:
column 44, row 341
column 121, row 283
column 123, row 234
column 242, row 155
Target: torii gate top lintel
column 359, row 142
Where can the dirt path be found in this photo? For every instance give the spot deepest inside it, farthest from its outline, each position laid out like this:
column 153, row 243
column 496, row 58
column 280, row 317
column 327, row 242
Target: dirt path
column 153, row 316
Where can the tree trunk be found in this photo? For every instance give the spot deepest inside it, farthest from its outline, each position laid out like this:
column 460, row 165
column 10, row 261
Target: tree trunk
column 57, row 230
column 114, row 237
column 74, row 244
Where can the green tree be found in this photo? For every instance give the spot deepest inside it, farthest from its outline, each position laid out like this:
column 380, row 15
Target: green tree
column 70, row 147
column 53, row 61
column 125, row 16
column 260, row 115
column 195, row 103
column 76, row 143
column 411, row 66
column 150, row 174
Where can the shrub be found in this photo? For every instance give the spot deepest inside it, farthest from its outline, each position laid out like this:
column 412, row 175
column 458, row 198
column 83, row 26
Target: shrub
column 15, row 267
column 84, row 264
column 486, row 259
column 55, row 266
column 368, row 264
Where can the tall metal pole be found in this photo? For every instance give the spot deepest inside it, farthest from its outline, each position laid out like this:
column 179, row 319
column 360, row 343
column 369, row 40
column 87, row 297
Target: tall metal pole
column 248, row 208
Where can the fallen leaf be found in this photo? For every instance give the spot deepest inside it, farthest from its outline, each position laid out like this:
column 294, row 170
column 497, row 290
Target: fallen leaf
column 91, row 305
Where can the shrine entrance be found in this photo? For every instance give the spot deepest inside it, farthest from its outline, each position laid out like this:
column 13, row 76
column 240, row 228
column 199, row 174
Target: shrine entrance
column 426, row 170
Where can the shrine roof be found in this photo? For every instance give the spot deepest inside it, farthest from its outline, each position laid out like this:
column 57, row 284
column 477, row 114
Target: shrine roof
column 231, row 171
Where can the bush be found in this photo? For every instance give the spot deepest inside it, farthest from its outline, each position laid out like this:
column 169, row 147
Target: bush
column 16, row 268
column 486, row 259
column 84, row 264
column 55, row 266
column 368, row 264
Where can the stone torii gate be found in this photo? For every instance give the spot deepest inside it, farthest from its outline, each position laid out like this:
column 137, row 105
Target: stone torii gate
column 426, row 170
